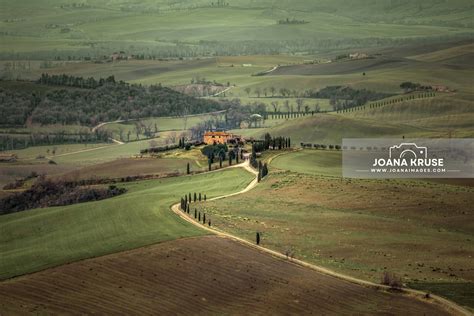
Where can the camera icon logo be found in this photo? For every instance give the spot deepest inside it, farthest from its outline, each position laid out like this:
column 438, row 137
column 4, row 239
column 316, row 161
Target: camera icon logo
column 408, row 150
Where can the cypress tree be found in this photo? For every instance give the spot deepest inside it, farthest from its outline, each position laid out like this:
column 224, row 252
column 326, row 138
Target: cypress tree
column 189, row 198
column 188, row 169
column 199, row 197
column 209, row 223
column 257, row 237
column 264, row 170
column 199, row 216
column 185, row 199
column 188, row 209
column 195, row 213
column 210, row 165
column 195, row 197
column 205, row 197
column 204, row 218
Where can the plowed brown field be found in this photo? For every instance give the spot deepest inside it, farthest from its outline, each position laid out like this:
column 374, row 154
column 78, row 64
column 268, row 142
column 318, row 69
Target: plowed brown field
column 203, row 275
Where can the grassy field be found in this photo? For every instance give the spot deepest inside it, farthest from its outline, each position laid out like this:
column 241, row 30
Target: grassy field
column 153, row 24
column 421, row 231
column 134, row 167
column 442, row 116
column 201, row 275
column 41, row 238
column 331, row 128
column 317, row 162
column 52, row 151
column 162, row 124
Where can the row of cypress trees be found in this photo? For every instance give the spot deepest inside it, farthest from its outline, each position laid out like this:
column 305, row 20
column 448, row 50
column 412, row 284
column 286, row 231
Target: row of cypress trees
column 186, row 208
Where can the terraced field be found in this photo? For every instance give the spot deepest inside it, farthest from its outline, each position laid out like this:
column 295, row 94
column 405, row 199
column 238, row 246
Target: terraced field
column 202, row 275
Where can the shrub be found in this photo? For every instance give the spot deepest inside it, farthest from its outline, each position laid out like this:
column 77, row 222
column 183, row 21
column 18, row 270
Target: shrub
column 391, row 280
column 46, row 193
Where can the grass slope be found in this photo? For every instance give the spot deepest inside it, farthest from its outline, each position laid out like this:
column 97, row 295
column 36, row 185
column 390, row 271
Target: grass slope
column 41, row 238
column 420, row 231
column 152, row 24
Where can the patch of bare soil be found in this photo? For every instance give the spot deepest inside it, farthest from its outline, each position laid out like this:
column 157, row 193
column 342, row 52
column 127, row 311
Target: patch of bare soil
column 205, row 275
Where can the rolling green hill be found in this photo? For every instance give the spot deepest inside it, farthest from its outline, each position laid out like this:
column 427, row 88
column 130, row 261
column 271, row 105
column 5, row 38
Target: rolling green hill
column 41, row 238
column 190, row 28
column 442, row 116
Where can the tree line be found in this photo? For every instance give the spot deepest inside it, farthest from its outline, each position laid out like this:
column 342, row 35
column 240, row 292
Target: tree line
column 373, row 105
column 100, row 51
column 20, row 141
column 185, row 206
column 45, row 193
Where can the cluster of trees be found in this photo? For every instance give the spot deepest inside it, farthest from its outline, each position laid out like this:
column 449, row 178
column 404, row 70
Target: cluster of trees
column 342, row 97
column 271, row 142
column 409, row 86
column 183, row 144
column 72, row 81
column 186, row 206
column 15, row 140
column 238, row 113
column 221, row 152
column 107, row 102
column 292, row 21
column 44, row 193
column 320, row 146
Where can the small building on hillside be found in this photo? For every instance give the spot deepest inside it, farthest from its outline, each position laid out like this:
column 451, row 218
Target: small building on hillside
column 211, row 138
column 440, row 88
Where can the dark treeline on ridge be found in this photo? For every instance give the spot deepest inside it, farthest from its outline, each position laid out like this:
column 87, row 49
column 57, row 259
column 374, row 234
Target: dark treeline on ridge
column 100, row 50
column 342, row 97
column 107, row 100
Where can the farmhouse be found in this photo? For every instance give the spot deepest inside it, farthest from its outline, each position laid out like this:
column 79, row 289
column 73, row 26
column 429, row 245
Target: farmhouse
column 211, row 138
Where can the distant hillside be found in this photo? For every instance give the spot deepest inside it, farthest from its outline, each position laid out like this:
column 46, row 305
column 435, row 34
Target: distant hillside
column 434, row 117
column 158, row 29
column 88, row 102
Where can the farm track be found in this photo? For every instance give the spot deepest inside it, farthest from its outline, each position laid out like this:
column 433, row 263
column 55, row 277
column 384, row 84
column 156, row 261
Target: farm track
column 415, row 294
column 215, row 274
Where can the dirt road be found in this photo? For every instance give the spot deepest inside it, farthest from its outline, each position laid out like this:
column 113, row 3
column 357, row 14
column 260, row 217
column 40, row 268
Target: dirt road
column 415, row 294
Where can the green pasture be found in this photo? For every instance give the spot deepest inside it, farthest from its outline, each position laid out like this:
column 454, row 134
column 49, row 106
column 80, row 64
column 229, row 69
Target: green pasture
column 154, row 23
column 162, row 124
column 358, row 227
column 41, row 238
column 311, row 161
column 35, row 152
